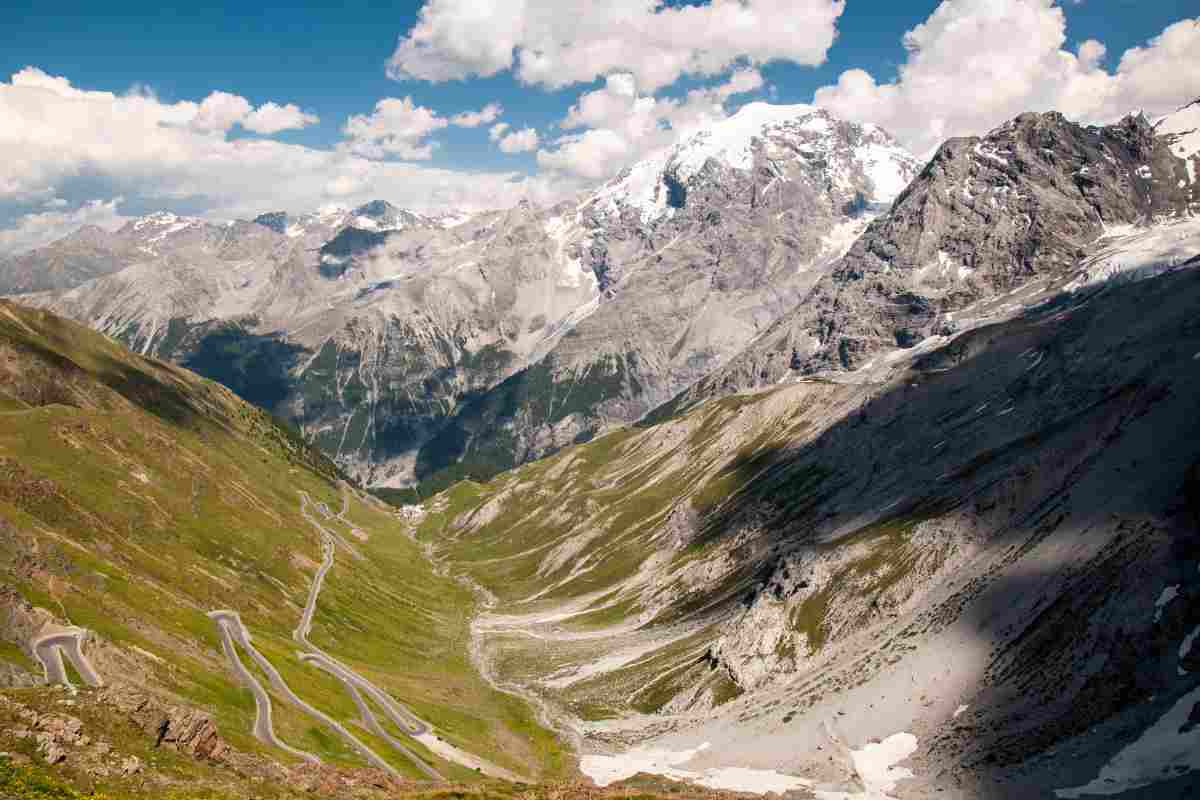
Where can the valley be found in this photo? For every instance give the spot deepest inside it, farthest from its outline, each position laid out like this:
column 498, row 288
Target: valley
column 778, row 463
column 138, row 526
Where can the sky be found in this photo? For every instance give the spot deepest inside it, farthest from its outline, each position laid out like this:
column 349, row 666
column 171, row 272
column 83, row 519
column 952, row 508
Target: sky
column 231, row 110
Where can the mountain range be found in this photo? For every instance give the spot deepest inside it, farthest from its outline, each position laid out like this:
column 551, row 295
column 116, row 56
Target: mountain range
column 782, row 461
column 408, row 347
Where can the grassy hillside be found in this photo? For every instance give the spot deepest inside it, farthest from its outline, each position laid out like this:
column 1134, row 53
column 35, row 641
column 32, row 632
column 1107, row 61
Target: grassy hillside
column 136, row 497
column 818, row 533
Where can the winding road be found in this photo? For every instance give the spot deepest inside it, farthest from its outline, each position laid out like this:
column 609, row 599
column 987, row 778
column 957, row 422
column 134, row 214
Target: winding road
column 361, row 690
column 49, row 650
column 230, row 626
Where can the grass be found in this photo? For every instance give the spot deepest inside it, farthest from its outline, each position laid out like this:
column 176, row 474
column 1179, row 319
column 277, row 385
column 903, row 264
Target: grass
column 168, row 497
column 13, row 654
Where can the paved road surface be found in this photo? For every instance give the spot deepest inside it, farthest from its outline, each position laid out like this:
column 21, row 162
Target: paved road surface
column 231, row 625
column 50, row 649
column 264, row 729
column 234, row 635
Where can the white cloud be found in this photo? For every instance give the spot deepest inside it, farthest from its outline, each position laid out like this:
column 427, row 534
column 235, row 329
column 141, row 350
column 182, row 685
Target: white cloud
column 473, row 119
column 556, row 43
column 133, row 145
column 742, row 81
column 35, row 230
column 272, row 118
column 396, row 128
column 621, row 126
column 220, row 111
column 497, row 131
column 523, row 141
column 592, row 155
column 976, row 63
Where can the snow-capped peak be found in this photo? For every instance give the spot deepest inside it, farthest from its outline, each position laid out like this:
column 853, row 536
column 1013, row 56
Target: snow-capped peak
column 844, row 151
column 159, row 225
column 730, row 141
column 1183, row 128
column 158, row 218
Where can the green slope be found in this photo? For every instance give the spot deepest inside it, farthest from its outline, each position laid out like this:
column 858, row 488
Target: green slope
column 135, row 497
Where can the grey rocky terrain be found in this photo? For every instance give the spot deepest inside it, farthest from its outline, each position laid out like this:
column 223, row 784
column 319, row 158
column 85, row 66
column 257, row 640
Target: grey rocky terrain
column 408, row 346
column 916, row 470
column 1026, row 204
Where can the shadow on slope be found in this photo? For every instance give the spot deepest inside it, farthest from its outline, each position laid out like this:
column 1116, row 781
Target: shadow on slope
column 1035, row 483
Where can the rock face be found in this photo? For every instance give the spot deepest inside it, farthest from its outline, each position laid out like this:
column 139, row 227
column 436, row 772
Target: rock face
column 88, row 253
column 184, row 729
column 408, row 346
column 992, row 546
column 1024, row 205
column 694, row 253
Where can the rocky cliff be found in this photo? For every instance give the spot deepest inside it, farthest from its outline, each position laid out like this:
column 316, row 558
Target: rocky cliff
column 1025, row 208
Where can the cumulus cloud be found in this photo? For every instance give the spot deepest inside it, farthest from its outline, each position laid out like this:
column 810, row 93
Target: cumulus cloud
column 34, row 230
column 473, row 119
column 497, row 131
column 975, row 63
column 619, row 126
column 395, row 128
column 272, row 118
column 61, row 141
column 220, row 111
column 556, row 43
column 522, row 141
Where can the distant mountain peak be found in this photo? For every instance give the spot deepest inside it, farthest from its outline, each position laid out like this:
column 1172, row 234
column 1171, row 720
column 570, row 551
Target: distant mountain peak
column 1182, row 127
column 275, row 220
column 852, row 158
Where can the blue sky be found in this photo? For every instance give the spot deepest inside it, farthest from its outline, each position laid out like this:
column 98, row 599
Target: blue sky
column 329, row 60
column 329, row 57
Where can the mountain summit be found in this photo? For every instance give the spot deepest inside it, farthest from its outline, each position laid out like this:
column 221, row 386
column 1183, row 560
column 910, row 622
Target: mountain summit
column 401, row 343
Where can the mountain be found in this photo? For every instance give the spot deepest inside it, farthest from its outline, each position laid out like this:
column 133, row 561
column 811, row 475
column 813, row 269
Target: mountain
column 991, row 224
column 944, row 511
column 88, row 253
column 211, row 588
column 980, row 562
column 695, row 253
column 416, row 348
column 911, row 506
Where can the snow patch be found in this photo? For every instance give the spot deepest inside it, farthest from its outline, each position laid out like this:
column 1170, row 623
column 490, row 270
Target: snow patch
column 1186, row 647
column 875, row 764
column 1184, row 126
column 1168, row 748
column 884, row 167
column 876, row 767
column 1131, row 254
column 641, row 188
column 990, row 154
column 608, row 769
column 1168, row 594
column 730, row 141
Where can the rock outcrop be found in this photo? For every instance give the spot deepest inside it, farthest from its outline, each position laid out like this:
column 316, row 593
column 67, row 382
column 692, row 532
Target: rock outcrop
column 1027, row 205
